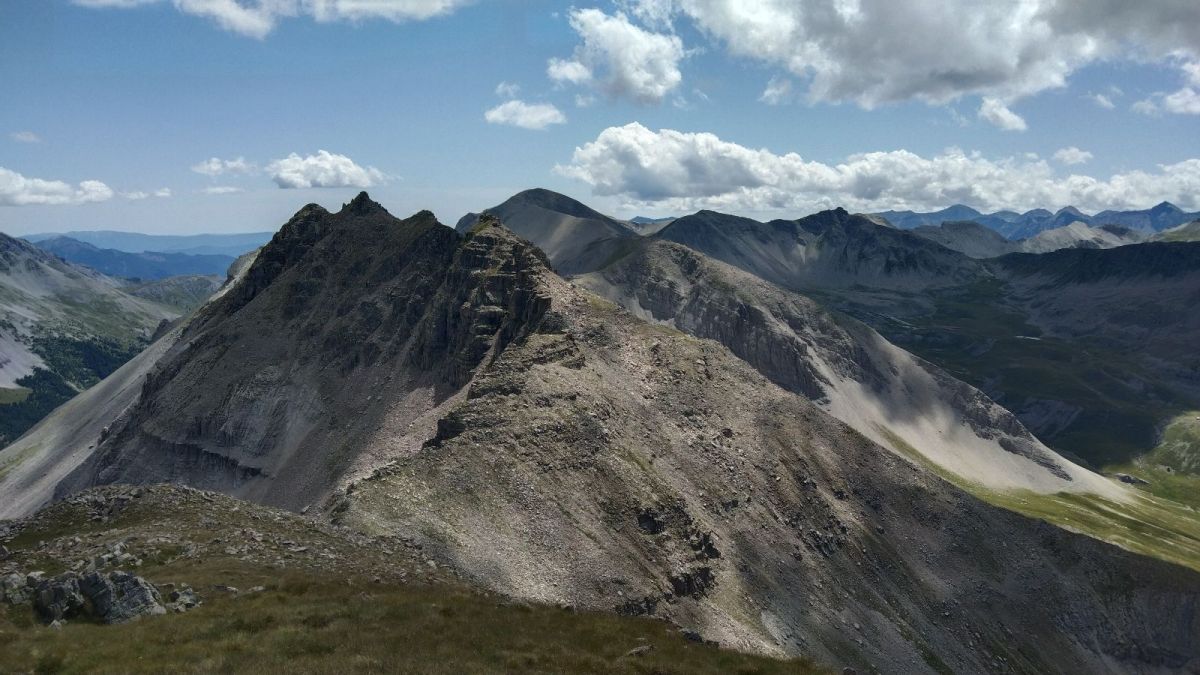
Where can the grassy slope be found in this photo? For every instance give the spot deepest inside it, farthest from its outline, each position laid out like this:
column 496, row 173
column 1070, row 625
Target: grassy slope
column 1150, row 525
column 369, row 611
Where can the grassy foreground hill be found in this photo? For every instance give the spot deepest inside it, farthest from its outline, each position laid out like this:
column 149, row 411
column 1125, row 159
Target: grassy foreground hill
column 299, row 596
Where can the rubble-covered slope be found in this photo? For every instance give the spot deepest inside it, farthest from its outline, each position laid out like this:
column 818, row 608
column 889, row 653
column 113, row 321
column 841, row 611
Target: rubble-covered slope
column 845, row 367
column 615, row 464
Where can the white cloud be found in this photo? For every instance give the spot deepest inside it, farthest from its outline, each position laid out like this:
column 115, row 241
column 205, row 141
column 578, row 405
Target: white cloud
column 215, row 166
column 1186, row 101
column 257, row 18
column 525, row 115
column 994, row 111
column 1072, row 156
column 138, row 195
column 1103, row 100
column 623, row 59
column 563, row 70
column 872, row 52
column 508, row 90
column 779, row 90
column 323, row 170
column 221, row 190
column 678, row 171
column 25, row 137
column 17, row 190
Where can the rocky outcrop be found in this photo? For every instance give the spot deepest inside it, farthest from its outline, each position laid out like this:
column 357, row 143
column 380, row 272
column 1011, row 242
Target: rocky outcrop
column 277, row 389
column 113, row 597
column 120, row 596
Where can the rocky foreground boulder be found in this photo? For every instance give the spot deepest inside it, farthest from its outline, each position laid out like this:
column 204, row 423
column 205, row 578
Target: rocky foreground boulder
column 110, row 598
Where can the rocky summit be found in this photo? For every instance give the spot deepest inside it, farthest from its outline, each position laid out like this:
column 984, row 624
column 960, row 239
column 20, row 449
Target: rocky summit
column 668, row 438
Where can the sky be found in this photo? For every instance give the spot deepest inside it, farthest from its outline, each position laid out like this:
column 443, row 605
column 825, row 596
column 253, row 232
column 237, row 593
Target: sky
column 185, row 116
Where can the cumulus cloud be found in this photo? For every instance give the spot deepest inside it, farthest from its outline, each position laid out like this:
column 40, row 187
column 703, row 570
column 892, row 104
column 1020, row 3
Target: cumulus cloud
column 25, row 137
column 525, row 115
column 622, row 59
column 508, row 90
column 1103, row 100
column 994, row 111
column 322, row 170
column 1186, row 101
column 679, row 171
column 214, row 166
column 779, row 90
column 257, row 18
column 1073, row 155
column 17, row 190
column 872, row 52
column 221, row 190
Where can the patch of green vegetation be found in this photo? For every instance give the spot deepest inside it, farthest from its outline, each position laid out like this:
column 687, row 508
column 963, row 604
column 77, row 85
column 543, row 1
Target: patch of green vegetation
column 1172, row 468
column 1146, row 524
column 46, row 391
column 327, row 621
column 83, row 362
column 304, row 624
column 9, row 396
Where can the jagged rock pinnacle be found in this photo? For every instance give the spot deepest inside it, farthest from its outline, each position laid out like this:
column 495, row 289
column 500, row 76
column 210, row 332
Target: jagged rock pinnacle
column 363, row 204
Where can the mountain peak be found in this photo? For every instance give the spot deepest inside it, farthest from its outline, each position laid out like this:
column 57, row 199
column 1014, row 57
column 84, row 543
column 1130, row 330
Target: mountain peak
column 363, row 205
column 1164, row 207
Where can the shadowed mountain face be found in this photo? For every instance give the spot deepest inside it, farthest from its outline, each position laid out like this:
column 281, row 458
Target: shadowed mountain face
column 573, row 236
column 346, row 324
column 148, row 266
column 832, row 249
column 455, row 391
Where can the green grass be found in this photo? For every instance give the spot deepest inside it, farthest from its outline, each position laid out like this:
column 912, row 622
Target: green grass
column 1148, row 524
column 354, row 615
column 322, row 625
column 9, row 396
column 1172, row 468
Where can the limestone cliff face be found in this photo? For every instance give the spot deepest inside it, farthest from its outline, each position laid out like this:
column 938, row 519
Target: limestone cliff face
column 279, row 387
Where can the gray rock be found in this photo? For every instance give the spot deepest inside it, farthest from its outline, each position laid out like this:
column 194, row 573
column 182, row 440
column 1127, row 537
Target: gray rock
column 4, row 552
column 14, row 589
column 181, row 599
column 58, row 598
column 121, row 596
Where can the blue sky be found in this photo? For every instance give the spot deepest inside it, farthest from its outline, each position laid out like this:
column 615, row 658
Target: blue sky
column 660, row 110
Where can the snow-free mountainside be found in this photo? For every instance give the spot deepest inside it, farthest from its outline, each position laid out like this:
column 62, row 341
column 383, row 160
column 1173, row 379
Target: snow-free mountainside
column 712, row 424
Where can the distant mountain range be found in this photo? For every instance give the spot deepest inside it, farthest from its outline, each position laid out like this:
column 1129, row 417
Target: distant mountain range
column 1013, row 225
column 135, row 242
column 147, row 266
column 978, row 241
column 63, row 328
